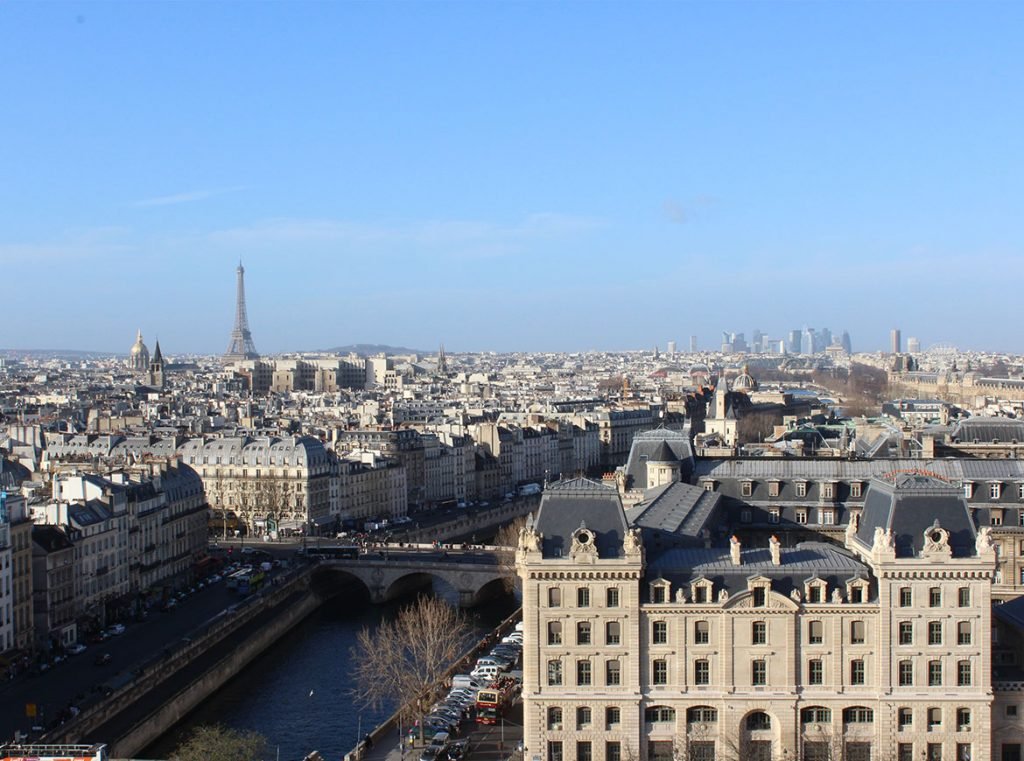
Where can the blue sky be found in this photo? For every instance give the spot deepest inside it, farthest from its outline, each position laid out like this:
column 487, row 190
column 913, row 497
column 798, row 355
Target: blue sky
column 510, row 176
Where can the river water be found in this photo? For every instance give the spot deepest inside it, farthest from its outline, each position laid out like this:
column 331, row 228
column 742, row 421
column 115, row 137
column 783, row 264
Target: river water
column 297, row 693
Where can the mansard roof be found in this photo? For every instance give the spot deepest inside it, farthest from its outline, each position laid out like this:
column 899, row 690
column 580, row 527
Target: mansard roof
column 566, row 505
column 659, row 445
column 908, row 504
column 675, row 508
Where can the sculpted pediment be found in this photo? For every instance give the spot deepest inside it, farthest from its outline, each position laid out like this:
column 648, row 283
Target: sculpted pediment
column 772, row 601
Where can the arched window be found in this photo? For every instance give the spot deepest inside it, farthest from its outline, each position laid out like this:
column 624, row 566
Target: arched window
column 759, row 720
column 554, row 718
column 816, row 715
column 701, row 715
column 858, row 715
column 659, row 714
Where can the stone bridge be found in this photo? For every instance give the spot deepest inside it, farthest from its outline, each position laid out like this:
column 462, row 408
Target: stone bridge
column 463, row 578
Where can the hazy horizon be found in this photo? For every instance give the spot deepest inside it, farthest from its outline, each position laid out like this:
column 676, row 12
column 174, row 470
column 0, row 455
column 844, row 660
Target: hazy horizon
column 510, row 176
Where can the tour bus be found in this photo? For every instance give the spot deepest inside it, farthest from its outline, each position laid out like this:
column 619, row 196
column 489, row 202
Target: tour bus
column 491, row 703
column 250, row 582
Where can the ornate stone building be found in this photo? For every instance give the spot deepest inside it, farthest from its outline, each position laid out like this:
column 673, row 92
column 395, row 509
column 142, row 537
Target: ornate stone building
column 640, row 647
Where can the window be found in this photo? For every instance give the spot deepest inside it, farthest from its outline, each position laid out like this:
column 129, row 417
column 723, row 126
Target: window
column 801, row 515
column 906, row 673
column 659, row 671
column 801, row 491
column 554, row 750
column 773, row 488
column 858, row 751
column 934, row 752
column 963, row 752
column 904, row 719
column 583, row 597
column 963, row 719
column 709, row 486
column 612, row 597
column 905, row 752
column 758, row 672
column 554, row 673
column 815, row 672
column 994, row 490
column 746, row 516
column 660, row 750
column 760, row 595
column 963, row 673
column 963, row 597
column 583, row 673
column 554, row 718
column 700, row 593
column 773, row 515
column 747, row 488
column 857, row 593
column 702, row 750
column 759, row 633
column 814, row 593
column 583, row 751
column 658, row 593
column 659, row 715
column 906, row 597
column 857, row 632
column 659, row 633
column 855, row 489
column 934, row 632
column 612, row 633
column 857, row 671
column 815, row 632
column 701, row 632
column 934, row 673
column 583, row 717
column 995, row 518
column 827, row 491
column 968, row 489
column 758, row 721
column 816, row 715
column 554, row 597
column 612, row 717
column 612, row 673
column 827, row 517
column 612, row 751
column 858, row 715
column 934, row 719
column 963, row 633
column 583, row 633
column 934, row 597
column 906, row 629
column 701, row 715
column 554, row 632
column 702, row 671
column 1011, row 711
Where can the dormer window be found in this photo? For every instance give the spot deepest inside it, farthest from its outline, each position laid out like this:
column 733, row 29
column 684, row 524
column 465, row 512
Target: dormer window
column 968, row 489
column 701, row 591
column 856, row 489
column 828, row 490
column 773, row 488
column 801, row 488
column 660, row 591
column 995, row 489
column 815, row 590
column 857, row 590
column 709, row 484
column 747, row 488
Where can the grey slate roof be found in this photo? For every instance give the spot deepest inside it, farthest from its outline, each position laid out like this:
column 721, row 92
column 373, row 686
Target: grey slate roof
column 908, row 505
column 807, row 560
column 568, row 504
column 675, row 508
column 659, row 445
column 988, row 429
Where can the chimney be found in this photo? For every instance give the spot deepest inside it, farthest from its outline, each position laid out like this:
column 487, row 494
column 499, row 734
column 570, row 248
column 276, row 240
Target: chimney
column 775, row 548
column 734, row 550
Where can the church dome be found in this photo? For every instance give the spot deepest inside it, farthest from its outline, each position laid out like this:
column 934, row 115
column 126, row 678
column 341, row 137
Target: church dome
column 744, row 381
column 138, row 356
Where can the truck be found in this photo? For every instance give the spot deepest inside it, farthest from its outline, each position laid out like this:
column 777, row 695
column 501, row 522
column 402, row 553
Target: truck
column 529, row 490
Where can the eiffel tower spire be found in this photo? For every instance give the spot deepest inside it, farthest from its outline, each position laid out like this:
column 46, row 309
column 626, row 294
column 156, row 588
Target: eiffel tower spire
column 241, row 345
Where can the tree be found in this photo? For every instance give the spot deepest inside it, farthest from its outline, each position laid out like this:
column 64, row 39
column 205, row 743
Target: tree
column 218, row 743
column 508, row 536
column 404, row 660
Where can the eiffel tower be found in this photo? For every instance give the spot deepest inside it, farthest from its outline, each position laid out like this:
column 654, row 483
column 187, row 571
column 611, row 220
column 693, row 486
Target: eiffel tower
column 241, row 345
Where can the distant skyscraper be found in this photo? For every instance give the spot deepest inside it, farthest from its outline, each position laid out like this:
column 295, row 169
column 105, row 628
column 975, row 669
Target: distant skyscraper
column 895, row 343
column 807, row 341
column 845, row 341
column 693, row 344
column 913, row 345
column 793, row 347
column 671, row 348
column 241, row 345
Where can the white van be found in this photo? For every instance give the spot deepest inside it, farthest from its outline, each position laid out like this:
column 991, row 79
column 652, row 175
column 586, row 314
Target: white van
column 467, row 681
column 486, row 673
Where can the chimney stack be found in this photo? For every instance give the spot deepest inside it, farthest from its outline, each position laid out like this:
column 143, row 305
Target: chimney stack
column 775, row 548
column 734, row 550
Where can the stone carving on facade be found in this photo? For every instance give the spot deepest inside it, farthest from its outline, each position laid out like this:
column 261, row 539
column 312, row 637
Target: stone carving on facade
column 529, row 537
column 723, row 595
column 681, row 595
column 632, row 544
column 852, row 526
column 795, row 595
column 936, row 541
column 983, row 542
column 883, row 539
column 583, row 543
column 837, row 596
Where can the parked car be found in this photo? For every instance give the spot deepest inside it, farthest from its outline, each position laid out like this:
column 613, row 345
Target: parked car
column 76, row 649
column 116, row 629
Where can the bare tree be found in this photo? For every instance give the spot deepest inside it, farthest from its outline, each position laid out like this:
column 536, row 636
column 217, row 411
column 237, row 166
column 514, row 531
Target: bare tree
column 404, row 660
column 508, row 536
column 217, row 743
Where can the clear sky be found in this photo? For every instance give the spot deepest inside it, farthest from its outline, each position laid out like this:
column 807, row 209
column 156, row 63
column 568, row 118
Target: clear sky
column 510, row 176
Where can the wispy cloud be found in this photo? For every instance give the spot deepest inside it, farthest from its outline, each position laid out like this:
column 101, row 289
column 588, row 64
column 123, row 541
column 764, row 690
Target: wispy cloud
column 456, row 238
column 188, row 197
column 682, row 212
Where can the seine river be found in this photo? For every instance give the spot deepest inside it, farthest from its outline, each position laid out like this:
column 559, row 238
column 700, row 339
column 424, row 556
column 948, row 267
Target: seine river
column 297, row 693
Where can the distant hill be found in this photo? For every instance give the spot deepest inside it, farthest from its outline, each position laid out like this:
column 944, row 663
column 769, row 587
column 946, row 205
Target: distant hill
column 59, row 354
column 367, row 350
